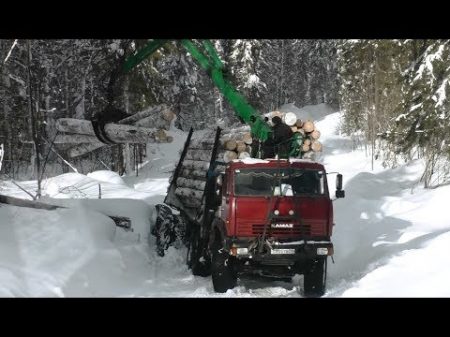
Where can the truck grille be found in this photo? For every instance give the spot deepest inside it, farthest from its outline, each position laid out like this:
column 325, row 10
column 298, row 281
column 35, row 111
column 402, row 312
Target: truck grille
column 297, row 230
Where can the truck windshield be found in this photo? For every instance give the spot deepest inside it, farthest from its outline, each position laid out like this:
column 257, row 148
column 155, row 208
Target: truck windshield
column 286, row 182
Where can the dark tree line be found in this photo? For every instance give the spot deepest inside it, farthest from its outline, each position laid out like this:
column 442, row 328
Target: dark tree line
column 43, row 80
column 396, row 93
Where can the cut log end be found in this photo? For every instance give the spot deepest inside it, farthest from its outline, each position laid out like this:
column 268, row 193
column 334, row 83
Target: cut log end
column 308, row 126
column 316, row 146
column 290, row 118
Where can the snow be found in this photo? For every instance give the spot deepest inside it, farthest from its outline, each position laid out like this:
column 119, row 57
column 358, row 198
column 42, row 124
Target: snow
column 107, row 176
column 391, row 238
column 253, row 81
column 413, row 272
column 441, row 92
column 312, row 112
column 250, row 161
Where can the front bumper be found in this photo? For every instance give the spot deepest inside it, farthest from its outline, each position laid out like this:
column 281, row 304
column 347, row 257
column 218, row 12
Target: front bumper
column 278, row 252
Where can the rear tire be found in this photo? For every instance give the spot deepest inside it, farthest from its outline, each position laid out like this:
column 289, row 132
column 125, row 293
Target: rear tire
column 315, row 279
column 223, row 275
column 199, row 264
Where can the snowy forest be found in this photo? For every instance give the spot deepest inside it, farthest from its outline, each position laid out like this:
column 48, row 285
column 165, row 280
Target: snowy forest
column 393, row 93
column 84, row 215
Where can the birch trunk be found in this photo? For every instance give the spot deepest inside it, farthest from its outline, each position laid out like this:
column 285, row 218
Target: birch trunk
column 191, row 183
column 116, row 132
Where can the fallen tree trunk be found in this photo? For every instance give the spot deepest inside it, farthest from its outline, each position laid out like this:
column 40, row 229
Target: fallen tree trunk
column 120, row 221
column 4, row 199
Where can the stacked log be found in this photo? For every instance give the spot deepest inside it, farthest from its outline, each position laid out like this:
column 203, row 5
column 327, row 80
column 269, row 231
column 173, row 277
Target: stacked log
column 147, row 126
column 308, row 134
column 235, row 143
column 116, row 132
column 81, row 131
column 191, row 181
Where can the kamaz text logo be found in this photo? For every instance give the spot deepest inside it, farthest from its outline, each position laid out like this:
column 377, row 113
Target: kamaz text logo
column 282, row 225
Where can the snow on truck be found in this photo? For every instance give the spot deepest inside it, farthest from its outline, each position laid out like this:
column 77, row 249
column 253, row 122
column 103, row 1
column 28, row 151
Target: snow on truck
column 236, row 210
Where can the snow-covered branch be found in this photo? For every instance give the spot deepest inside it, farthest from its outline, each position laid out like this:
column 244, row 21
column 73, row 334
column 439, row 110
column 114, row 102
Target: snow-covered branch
column 10, row 51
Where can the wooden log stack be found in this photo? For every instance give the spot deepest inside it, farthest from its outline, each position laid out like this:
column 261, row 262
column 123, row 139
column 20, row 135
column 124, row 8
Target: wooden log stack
column 235, row 143
column 147, row 126
column 309, row 135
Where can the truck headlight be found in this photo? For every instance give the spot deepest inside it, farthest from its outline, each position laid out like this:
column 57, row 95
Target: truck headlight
column 242, row 251
column 276, row 212
column 322, row 251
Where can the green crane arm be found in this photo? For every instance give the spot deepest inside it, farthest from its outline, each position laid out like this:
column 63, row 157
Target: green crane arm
column 133, row 60
column 206, row 55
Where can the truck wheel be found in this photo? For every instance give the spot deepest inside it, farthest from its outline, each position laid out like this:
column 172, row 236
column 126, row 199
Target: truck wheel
column 199, row 264
column 315, row 279
column 223, row 274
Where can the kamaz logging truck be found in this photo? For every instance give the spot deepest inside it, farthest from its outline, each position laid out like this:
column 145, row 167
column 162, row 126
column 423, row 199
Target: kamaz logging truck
column 265, row 216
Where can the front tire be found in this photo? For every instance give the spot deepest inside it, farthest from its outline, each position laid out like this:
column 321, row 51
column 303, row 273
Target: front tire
column 223, row 275
column 315, row 279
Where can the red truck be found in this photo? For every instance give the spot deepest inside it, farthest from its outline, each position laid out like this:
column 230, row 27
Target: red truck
column 274, row 218
column 271, row 217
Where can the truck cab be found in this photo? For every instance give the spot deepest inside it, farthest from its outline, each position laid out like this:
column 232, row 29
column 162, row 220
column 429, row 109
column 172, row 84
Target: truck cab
column 274, row 218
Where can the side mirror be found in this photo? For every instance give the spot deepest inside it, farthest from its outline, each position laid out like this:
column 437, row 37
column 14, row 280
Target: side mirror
column 339, row 192
column 339, row 182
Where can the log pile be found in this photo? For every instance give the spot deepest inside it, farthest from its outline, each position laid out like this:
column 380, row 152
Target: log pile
column 147, row 126
column 190, row 184
column 191, row 180
column 234, row 143
column 308, row 134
